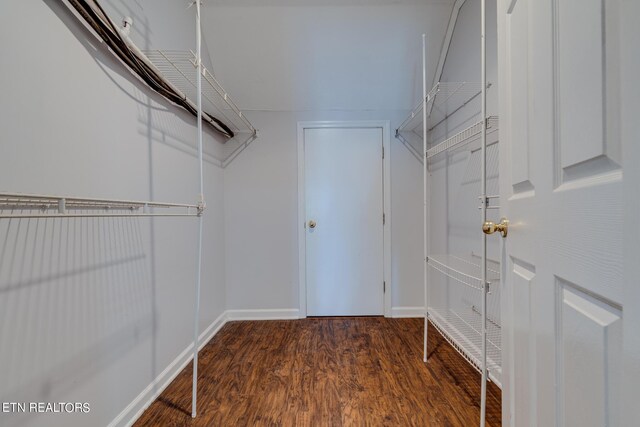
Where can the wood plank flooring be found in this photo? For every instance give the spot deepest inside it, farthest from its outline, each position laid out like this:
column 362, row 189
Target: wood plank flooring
column 363, row 371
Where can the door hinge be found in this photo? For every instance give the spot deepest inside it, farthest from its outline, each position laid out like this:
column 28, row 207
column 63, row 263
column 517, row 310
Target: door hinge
column 384, row 287
column 384, row 219
column 383, row 151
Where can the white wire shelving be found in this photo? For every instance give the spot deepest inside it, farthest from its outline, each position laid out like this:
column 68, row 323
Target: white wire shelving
column 410, row 141
column 184, row 74
column 461, row 325
column 17, row 205
column 444, row 99
column 466, row 270
column 458, row 305
column 462, row 328
column 465, row 137
column 180, row 69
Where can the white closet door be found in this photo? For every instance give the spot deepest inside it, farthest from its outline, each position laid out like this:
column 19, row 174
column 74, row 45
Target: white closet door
column 343, row 196
column 562, row 191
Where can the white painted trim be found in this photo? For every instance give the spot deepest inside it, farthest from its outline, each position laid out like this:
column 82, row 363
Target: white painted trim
column 302, row 219
column 386, row 143
column 263, row 314
column 401, row 312
column 136, row 408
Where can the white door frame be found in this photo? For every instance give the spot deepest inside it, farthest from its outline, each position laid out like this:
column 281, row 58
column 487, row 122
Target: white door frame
column 386, row 196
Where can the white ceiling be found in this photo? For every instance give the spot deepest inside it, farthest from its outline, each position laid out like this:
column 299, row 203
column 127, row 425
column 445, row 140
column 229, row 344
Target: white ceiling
column 327, row 55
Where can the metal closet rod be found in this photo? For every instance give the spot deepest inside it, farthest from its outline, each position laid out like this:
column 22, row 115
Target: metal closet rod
column 62, row 205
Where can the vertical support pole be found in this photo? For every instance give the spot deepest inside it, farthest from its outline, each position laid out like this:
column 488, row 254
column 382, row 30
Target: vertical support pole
column 425, row 171
column 483, row 180
column 196, row 319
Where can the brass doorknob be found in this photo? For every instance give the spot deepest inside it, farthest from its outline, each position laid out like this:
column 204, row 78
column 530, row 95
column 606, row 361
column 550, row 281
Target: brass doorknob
column 490, row 227
column 312, row 224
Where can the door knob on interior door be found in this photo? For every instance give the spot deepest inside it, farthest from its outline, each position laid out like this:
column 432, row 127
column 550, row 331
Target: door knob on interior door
column 312, row 224
column 490, row 227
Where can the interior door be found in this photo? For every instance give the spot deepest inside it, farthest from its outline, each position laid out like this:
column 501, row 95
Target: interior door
column 344, row 229
column 561, row 189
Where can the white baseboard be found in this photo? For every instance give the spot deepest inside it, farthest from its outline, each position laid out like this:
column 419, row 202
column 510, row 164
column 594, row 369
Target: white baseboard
column 266, row 314
column 135, row 409
column 407, row 312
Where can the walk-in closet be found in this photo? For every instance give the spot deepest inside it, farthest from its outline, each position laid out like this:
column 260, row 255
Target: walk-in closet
column 319, row 213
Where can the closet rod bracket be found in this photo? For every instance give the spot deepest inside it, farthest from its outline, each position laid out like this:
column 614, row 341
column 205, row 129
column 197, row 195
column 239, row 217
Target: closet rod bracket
column 200, row 207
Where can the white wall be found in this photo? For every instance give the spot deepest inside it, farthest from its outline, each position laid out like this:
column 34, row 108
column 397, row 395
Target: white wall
column 315, row 60
column 94, row 310
column 261, row 216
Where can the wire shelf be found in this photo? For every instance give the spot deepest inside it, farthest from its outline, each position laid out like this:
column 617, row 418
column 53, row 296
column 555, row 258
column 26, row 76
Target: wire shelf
column 464, row 269
column 464, row 137
column 462, row 329
column 443, row 99
column 180, row 69
column 48, row 206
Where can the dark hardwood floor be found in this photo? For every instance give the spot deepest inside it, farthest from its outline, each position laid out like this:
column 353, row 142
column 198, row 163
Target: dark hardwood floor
column 363, row 371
